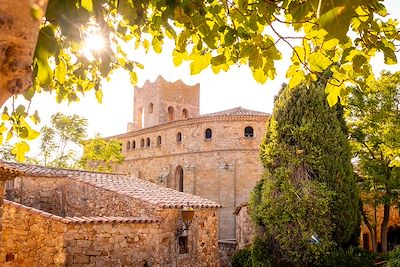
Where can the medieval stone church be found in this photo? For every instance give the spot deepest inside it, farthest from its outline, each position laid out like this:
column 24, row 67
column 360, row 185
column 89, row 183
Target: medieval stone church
column 215, row 155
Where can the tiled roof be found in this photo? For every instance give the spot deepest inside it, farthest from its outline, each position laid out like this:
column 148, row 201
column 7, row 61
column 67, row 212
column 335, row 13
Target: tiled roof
column 81, row 220
column 238, row 111
column 37, row 170
column 122, row 184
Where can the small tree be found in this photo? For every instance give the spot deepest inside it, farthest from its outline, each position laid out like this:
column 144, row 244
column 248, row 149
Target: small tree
column 374, row 119
column 60, row 140
column 307, row 199
column 100, row 154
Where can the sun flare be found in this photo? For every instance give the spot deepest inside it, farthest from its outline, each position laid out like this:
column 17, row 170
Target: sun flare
column 94, row 42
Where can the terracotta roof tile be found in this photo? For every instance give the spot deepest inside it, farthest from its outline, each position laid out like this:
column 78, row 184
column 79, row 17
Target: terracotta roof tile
column 122, row 184
column 81, row 220
column 238, row 111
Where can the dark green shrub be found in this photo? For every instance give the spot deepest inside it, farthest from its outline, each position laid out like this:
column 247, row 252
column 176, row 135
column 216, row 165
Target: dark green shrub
column 261, row 253
column 242, row 258
column 393, row 258
column 307, row 200
column 351, row 257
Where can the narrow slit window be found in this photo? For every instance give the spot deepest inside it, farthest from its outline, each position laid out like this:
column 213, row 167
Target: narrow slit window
column 179, row 137
column 158, row 140
column 128, row 145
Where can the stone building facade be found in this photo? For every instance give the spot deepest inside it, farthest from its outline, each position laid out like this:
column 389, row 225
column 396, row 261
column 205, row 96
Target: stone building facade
column 58, row 217
column 215, row 156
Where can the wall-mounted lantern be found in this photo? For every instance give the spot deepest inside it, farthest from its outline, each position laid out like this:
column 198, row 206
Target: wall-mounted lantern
column 187, row 214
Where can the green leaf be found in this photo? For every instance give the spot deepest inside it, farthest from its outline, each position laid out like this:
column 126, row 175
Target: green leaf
column 389, row 56
column 35, row 117
column 199, row 63
column 99, row 95
column 319, row 62
column 333, row 93
column 61, row 71
column 336, row 21
column 19, row 150
column 87, row 4
column 296, row 79
column 218, row 60
column 330, row 44
column 260, row 76
column 29, row 93
column 358, row 61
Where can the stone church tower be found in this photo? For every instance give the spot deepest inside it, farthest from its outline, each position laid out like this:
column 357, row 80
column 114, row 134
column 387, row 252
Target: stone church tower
column 162, row 102
column 215, row 156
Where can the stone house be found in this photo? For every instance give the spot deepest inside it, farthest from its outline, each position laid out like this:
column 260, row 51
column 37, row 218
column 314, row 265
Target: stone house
column 58, row 217
column 215, row 155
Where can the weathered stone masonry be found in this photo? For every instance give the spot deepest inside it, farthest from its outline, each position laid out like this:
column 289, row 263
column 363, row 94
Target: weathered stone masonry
column 102, row 220
column 215, row 156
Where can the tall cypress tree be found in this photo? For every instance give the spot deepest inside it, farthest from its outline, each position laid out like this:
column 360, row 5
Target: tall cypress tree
column 307, row 200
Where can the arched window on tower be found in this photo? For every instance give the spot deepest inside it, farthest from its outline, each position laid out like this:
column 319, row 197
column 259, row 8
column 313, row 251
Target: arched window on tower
column 151, row 108
column 158, row 140
column 141, row 143
column 133, row 144
column 179, row 137
column 148, row 141
column 248, row 131
column 208, row 134
column 170, row 113
column 179, row 178
column 185, row 113
column 128, row 145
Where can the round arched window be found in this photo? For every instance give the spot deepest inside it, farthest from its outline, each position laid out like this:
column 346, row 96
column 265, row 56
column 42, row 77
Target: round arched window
column 170, row 113
column 151, row 108
column 148, row 141
column 128, row 145
column 133, row 144
column 158, row 140
column 141, row 142
column 248, row 131
column 208, row 134
column 185, row 113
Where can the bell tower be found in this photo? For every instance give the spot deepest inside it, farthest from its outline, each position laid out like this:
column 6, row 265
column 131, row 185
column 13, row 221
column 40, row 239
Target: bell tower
column 162, row 102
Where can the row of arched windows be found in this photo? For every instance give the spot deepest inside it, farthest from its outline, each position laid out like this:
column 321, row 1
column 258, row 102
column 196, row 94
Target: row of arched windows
column 248, row 132
column 130, row 145
column 171, row 113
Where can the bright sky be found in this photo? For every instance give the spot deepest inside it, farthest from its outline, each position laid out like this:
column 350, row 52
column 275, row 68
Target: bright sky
column 218, row 92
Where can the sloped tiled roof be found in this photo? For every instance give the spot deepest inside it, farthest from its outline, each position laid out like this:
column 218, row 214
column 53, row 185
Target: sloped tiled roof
column 81, row 220
column 122, row 184
column 238, row 111
column 37, row 170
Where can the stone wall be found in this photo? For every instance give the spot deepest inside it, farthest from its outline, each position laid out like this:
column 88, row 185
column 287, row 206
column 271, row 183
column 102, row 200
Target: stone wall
column 30, row 238
column 244, row 227
column 223, row 169
column 226, row 250
column 34, row 237
column 69, row 197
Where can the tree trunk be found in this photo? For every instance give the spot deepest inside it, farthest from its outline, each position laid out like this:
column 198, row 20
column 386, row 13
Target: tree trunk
column 18, row 37
column 385, row 227
column 372, row 230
